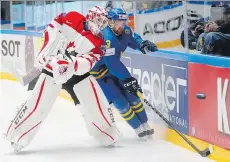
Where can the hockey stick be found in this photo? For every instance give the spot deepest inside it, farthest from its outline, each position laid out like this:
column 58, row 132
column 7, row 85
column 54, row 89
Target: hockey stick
column 203, row 153
column 23, row 78
column 35, row 72
column 26, row 79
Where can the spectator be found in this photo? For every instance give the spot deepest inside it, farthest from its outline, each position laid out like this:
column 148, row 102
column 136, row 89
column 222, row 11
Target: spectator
column 194, row 30
column 213, row 38
column 216, row 40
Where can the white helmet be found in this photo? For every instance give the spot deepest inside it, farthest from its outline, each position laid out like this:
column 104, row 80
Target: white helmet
column 96, row 19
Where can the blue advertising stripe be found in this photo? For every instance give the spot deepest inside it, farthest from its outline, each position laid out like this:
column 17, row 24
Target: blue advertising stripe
column 191, row 57
column 19, row 32
column 198, row 58
column 19, row 25
column 201, row 2
column 40, row 28
column 5, row 21
column 31, row 28
column 161, row 8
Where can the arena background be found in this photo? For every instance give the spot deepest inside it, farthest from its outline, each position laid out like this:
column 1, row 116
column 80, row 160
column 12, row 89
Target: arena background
column 204, row 122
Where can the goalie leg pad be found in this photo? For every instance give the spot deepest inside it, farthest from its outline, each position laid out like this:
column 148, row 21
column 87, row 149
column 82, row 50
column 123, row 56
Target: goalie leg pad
column 96, row 111
column 30, row 117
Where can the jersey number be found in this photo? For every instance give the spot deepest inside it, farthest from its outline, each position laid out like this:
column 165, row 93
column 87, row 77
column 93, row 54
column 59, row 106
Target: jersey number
column 108, row 43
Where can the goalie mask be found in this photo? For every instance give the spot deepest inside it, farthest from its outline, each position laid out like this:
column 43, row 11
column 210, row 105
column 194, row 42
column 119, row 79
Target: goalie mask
column 96, row 19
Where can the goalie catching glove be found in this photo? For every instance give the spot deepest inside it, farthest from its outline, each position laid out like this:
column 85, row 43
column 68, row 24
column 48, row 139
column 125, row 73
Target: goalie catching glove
column 63, row 69
column 131, row 85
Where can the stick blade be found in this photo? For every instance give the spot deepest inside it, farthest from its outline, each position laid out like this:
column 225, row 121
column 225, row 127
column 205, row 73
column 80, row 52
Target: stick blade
column 31, row 75
column 207, row 151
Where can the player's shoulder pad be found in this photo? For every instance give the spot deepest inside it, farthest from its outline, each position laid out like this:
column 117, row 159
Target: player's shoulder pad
column 107, row 33
column 127, row 30
column 95, row 40
column 74, row 20
column 59, row 18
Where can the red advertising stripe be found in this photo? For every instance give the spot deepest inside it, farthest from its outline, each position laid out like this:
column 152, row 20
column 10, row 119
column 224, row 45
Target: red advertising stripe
column 209, row 118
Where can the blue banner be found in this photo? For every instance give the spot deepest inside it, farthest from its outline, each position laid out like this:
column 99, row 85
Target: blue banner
column 165, row 85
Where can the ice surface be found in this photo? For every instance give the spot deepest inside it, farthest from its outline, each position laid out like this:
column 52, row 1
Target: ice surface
column 63, row 137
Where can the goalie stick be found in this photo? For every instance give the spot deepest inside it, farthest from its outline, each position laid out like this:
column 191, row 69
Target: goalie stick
column 24, row 79
column 27, row 78
column 203, row 153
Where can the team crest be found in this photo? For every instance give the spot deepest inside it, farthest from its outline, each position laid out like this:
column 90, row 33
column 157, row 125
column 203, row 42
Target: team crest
column 127, row 31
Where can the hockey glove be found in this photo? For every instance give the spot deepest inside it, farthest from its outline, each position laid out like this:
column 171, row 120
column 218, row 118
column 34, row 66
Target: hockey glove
column 62, row 69
column 131, row 85
column 147, row 45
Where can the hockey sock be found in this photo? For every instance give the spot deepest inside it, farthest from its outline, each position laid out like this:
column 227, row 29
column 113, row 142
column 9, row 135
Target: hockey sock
column 140, row 112
column 131, row 118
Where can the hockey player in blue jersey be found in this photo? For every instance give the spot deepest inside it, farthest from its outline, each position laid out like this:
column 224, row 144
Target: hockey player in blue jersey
column 118, row 85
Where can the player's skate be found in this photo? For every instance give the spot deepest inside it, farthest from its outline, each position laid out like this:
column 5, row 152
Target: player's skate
column 149, row 130
column 141, row 132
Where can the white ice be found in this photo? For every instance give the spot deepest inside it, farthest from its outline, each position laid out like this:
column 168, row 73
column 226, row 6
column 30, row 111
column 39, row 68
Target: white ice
column 63, row 137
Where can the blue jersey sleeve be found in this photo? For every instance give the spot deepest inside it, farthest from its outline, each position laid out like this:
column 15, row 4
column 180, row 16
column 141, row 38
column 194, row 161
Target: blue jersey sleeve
column 135, row 40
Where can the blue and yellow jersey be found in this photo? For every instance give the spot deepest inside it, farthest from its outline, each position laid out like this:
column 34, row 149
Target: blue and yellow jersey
column 115, row 46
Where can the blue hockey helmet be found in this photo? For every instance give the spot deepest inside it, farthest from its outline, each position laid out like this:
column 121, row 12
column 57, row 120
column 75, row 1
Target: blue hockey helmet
column 117, row 14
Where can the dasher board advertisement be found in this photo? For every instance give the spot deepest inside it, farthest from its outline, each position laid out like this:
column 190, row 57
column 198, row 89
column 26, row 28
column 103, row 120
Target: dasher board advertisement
column 209, row 118
column 164, row 82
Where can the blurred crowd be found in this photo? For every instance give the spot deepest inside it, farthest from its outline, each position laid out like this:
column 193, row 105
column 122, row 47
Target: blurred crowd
column 210, row 37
